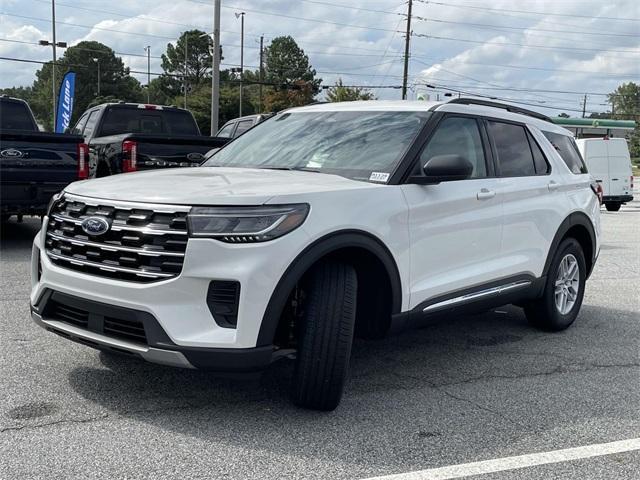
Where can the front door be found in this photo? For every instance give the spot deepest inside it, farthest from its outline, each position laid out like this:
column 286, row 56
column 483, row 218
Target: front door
column 455, row 227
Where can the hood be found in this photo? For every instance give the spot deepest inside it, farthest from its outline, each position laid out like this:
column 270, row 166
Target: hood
column 211, row 185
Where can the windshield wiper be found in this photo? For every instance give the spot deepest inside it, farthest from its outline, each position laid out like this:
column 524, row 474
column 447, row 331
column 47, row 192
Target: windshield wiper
column 301, row 169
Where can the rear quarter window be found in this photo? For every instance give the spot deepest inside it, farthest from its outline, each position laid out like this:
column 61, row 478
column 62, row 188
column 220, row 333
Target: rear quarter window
column 566, row 147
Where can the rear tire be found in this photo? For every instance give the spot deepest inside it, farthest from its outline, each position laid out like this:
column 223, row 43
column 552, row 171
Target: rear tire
column 612, row 206
column 325, row 336
column 560, row 302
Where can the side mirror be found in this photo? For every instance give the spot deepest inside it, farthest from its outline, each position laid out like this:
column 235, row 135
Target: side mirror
column 444, row 168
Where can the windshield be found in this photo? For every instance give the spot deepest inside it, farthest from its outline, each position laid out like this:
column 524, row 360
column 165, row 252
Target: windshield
column 357, row 145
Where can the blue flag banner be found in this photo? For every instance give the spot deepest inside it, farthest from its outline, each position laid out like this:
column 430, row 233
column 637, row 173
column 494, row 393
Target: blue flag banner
column 65, row 102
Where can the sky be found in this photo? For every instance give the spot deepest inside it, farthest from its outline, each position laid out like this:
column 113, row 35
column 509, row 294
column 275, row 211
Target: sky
column 546, row 54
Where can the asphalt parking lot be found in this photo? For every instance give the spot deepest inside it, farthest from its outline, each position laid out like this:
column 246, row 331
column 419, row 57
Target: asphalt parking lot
column 463, row 390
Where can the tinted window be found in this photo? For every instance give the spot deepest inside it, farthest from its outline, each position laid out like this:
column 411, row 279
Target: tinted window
column 542, row 167
column 16, row 116
column 91, row 123
column 568, row 150
column 243, row 126
column 348, row 143
column 226, row 131
column 512, row 149
column 457, row 136
column 141, row 120
column 80, row 125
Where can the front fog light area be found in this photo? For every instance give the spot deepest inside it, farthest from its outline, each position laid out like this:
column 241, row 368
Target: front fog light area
column 246, row 224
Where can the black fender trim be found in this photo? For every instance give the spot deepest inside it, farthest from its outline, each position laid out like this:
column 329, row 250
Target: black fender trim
column 314, row 252
column 576, row 218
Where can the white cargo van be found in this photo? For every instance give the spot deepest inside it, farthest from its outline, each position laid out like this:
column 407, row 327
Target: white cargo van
column 609, row 162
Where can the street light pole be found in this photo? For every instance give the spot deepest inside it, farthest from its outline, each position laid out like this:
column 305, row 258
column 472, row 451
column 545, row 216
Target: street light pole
column 53, row 65
column 215, row 73
column 241, row 16
column 97, row 60
column 186, row 49
column 148, row 50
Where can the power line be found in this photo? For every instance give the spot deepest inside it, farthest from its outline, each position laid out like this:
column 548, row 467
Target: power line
column 545, row 47
column 530, row 12
column 314, row 20
column 364, row 9
column 501, row 27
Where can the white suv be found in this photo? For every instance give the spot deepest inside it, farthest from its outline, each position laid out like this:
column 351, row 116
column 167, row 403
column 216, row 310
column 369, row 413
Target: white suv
column 323, row 222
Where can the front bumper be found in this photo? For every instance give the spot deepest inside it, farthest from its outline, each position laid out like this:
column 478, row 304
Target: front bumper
column 157, row 348
column 179, row 305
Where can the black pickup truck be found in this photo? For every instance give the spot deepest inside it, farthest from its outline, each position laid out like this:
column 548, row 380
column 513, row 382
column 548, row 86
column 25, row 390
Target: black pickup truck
column 127, row 137
column 34, row 165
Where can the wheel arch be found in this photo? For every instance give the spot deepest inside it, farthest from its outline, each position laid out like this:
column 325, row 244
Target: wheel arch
column 317, row 251
column 579, row 226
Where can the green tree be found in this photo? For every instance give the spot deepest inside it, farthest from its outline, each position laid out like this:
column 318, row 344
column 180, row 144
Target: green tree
column 115, row 81
column 341, row 93
column 196, row 70
column 287, row 67
column 625, row 104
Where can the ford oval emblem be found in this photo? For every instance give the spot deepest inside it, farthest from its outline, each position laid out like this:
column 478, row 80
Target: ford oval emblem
column 95, row 225
column 195, row 157
column 11, row 153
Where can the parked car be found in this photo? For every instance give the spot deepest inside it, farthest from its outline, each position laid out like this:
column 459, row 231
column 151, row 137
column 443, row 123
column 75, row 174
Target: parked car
column 238, row 126
column 609, row 162
column 127, row 137
column 34, row 165
column 328, row 221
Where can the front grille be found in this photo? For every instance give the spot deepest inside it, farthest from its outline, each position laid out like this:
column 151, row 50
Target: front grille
column 142, row 244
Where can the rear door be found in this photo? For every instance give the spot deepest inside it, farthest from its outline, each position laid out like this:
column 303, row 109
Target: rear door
column 619, row 167
column 532, row 198
column 455, row 227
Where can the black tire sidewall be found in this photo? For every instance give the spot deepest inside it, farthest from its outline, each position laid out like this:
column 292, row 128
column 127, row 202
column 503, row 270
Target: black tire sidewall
column 554, row 319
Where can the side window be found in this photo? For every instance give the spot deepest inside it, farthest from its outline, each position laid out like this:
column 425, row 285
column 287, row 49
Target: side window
column 568, row 150
column 91, row 124
column 80, row 125
column 512, row 149
column 457, row 136
column 540, row 161
column 243, row 126
column 226, row 131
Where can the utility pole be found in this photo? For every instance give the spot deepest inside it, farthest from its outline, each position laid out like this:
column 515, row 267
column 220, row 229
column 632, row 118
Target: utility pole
column 584, row 106
column 148, row 50
column 406, row 52
column 53, row 65
column 241, row 16
column 261, row 71
column 215, row 71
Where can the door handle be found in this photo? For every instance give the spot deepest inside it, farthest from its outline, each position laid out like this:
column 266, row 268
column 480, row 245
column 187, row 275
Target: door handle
column 553, row 186
column 485, row 194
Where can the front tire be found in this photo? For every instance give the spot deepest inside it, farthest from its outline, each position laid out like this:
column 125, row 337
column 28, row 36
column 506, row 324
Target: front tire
column 560, row 303
column 612, row 206
column 325, row 336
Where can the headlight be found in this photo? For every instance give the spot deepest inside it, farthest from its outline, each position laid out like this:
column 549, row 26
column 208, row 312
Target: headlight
column 55, row 199
column 246, row 224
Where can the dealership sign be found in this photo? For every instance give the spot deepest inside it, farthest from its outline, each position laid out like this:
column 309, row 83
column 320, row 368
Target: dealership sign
column 65, row 102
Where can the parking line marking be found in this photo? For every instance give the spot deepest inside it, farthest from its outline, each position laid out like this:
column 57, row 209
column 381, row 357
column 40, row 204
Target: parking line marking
column 520, row 461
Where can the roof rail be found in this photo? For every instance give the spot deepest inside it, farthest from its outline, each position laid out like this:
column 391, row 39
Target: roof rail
column 504, row 106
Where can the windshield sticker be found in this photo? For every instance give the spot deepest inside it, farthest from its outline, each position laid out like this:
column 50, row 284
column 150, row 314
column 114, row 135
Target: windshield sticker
column 378, row 177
